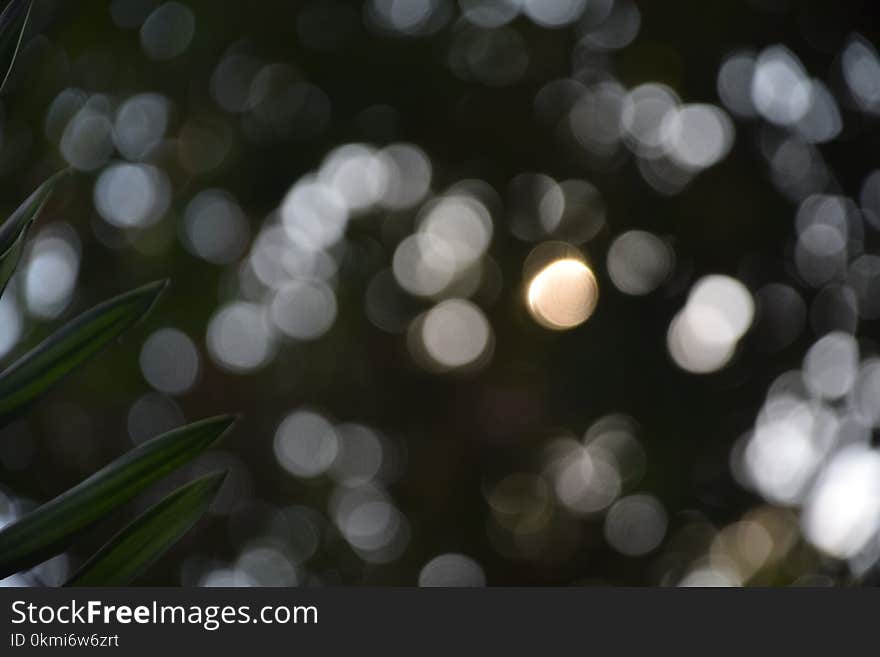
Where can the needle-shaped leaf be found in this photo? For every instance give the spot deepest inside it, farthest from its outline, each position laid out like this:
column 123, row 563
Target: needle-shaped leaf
column 12, row 23
column 71, row 345
column 51, row 527
column 128, row 554
column 14, row 230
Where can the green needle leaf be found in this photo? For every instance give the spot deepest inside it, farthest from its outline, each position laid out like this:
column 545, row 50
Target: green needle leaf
column 128, row 554
column 71, row 345
column 49, row 529
column 12, row 23
column 14, row 230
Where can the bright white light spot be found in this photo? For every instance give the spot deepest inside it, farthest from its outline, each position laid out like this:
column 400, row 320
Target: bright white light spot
column 358, row 174
column 781, row 91
column 586, row 481
column 424, row 265
column 729, row 297
column 563, row 294
column 843, row 512
column 304, row 310
column 455, row 333
column 786, row 448
column 240, row 337
column 314, row 214
column 642, row 117
column 132, row 195
column 703, row 336
column 409, row 175
column 462, row 224
column 51, row 272
column 697, row 136
column 698, row 340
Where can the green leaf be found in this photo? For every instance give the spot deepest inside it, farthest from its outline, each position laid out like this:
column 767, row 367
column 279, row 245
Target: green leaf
column 128, row 554
column 12, row 23
column 49, row 529
column 71, row 345
column 14, row 230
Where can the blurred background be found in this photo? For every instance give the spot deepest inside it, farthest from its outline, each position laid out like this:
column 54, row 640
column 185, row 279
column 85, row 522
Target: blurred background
column 507, row 292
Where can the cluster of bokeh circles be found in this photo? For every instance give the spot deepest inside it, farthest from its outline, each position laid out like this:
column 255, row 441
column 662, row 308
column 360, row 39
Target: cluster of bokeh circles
column 436, row 276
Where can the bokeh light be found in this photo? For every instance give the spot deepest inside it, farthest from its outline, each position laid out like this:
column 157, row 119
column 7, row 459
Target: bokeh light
column 639, row 262
column 703, row 336
column 563, row 294
column 452, row 570
column 306, row 444
column 170, row 361
column 635, row 525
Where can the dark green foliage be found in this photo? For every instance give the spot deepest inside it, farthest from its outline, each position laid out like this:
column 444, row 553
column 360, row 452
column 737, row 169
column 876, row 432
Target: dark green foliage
column 137, row 546
column 13, row 20
column 52, row 527
column 71, row 345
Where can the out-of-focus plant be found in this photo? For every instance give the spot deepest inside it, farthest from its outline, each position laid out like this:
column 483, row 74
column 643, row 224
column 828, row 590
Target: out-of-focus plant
column 52, row 527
